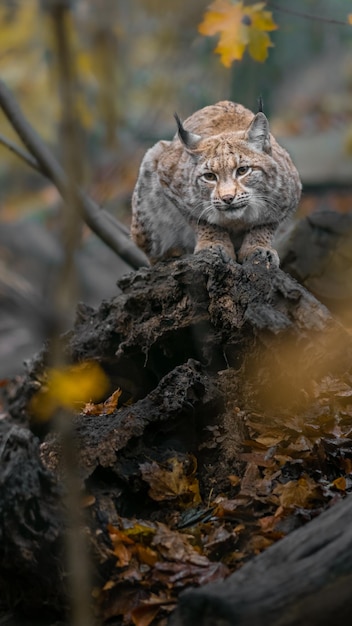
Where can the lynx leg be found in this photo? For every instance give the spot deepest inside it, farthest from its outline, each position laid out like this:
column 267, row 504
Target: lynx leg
column 258, row 243
column 210, row 236
column 139, row 235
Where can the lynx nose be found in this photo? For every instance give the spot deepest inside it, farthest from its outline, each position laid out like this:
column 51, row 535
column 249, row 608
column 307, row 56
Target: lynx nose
column 227, row 198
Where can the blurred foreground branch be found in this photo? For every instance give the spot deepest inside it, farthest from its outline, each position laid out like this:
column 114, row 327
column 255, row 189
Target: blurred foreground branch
column 104, row 225
column 65, row 296
column 22, row 154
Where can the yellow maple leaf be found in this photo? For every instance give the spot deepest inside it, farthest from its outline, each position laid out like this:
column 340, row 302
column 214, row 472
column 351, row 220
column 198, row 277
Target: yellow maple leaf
column 225, row 18
column 239, row 26
column 70, row 388
column 260, row 22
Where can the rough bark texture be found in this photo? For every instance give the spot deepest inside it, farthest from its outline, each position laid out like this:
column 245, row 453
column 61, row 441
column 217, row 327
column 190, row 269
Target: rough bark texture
column 186, row 341
column 31, row 524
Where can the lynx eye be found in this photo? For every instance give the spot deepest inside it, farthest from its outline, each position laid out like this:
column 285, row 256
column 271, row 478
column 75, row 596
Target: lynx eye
column 243, row 169
column 210, row 177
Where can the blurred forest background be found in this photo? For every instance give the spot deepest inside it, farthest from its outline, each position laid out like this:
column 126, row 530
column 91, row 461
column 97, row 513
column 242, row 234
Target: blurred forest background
column 136, row 63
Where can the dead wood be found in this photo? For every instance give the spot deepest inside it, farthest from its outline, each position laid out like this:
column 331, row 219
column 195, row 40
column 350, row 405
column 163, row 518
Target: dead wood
column 31, row 524
column 187, row 342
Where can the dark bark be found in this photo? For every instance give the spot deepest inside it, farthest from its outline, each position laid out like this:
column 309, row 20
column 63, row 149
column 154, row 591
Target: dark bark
column 31, row 524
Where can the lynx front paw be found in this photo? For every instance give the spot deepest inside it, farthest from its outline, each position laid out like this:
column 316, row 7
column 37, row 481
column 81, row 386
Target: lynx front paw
column 261, row 255
column 227, row 253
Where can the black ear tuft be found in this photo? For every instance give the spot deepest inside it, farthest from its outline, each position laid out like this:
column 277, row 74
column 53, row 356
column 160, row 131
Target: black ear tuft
column 181, row 131
column 260, row 104
column 189, row 140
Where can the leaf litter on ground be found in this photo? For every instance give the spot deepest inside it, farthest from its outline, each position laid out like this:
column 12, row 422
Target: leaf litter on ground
column 295, row 465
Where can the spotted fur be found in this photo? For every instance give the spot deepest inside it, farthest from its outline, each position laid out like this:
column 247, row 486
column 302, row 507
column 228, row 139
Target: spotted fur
column 221, row 176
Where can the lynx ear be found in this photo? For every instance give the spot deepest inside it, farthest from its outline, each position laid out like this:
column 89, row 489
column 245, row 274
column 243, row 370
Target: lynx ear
column 258, row 133
column 189, row 140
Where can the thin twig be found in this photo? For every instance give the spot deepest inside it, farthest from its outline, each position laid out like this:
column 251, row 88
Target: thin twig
column 102, row 223
column 306, row 16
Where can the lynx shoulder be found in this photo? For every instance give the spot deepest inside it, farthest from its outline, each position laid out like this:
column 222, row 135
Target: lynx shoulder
column 222, row 178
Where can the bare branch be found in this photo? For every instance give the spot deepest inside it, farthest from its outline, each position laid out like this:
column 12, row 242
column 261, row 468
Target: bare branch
column 103, row 224
column 306, row 16
column 25, row 156
column 32, row 162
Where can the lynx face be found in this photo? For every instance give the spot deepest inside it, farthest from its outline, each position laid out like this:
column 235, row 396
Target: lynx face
column 231, row 186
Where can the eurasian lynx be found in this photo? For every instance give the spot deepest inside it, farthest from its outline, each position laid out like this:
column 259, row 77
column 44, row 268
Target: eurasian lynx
column 225, row 176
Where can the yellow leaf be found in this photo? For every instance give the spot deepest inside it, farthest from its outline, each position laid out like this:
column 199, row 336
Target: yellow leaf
column 140, row 531
column 259, row 21
column 340, row 483
column 226, row 18
column 239, row 26
column 258, row 45
column 69, row 388
column 349, row 18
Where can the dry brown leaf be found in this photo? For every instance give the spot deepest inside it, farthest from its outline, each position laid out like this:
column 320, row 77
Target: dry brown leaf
column 122, row 600
column 256, row 458
column 146, row 555
column 181, row 575
column 144, row 614
column 234, row 480
column 103, row 408
column 122, row 546
column 268, row 523
column 258, row 543
column 297, row 493
column 268, row 440
column 230, row 508
column 122, row 553
column 170, row 481
column 175, row 546
column 250, row 480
